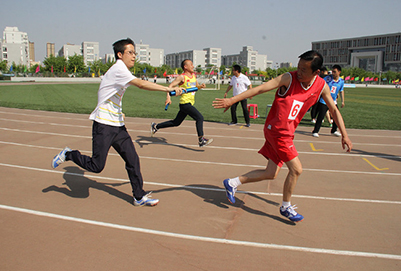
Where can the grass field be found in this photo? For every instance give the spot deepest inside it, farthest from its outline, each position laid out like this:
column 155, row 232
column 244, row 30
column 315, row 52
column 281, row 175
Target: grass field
column 365, row 108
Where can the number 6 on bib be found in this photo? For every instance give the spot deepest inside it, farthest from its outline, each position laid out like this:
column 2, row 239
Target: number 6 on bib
column 296, row 107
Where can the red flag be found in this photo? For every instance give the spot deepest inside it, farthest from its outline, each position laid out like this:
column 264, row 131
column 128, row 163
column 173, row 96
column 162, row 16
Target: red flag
column 64, row 68
column 165, row 73
column 155, row 70
column 376, row 79
column 52, row 68
column 37, row 69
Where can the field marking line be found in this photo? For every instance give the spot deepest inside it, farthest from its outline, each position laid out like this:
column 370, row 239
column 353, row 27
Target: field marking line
column 96, row 177
column 313, row 148
column 374, row 165
column 202, row 238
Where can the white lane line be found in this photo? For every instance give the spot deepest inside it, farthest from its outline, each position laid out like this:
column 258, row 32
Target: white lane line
column 185, row 134
column 217, row 163
column 191, row 187
column 203, row 238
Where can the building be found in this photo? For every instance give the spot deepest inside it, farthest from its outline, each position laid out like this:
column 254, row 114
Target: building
column 31, row 52
column 15, row 47
column 108, row 58
column 213, row 56
column 70, row 50
column 372, row 53
column 198, row 57
column 247, row 58
column 285, row 65
column 151, row 56
column 50, row 49
column 90, row 52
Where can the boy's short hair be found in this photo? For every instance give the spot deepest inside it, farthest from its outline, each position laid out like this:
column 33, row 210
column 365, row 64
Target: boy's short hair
column 337, row 67
column 119, row 46
column 183, row 63
column 315, row 57
column 237, row 68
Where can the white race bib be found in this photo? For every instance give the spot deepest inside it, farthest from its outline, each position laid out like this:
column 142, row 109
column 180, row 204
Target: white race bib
column 296, row 107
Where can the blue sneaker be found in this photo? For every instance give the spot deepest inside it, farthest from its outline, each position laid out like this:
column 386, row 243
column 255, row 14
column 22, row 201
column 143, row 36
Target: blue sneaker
column 230, row 191
column 146, row 201
column 290, row 213
column 60, row 158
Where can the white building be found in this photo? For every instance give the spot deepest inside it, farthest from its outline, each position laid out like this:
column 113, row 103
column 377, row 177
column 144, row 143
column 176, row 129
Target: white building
column 15, row 47
column 247, row 58
column 108, row 58
column 198, row 57
column 90, row 52
column 70, row 50
column 213, row 56
column 151, row 56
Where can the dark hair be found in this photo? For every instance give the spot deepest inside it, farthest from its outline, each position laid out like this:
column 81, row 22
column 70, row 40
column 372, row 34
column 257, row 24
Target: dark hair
column 237, row 68
column 337, row 67
column 315, row 57
column 183, row 63
column 119, row 46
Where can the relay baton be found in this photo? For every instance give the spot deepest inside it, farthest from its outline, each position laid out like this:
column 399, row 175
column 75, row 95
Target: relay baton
column 172, row 93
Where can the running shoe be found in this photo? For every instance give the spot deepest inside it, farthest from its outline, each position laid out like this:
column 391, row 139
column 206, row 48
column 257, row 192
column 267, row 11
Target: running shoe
column 60, row 158
column 232, row 123
column 153, row 129
column 230, row 191
column 146, row 200
column 336, row 133
column 290, row 213
column 204, row 141
column 315, row 135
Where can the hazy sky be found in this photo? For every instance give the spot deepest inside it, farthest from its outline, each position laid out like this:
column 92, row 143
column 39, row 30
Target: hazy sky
column 280, row 29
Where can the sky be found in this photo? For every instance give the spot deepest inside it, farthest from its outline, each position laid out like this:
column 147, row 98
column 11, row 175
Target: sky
column 282, row 30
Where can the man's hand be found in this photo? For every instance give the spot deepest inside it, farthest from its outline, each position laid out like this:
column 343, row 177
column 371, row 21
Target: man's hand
column 222, row 103
column 345, row 141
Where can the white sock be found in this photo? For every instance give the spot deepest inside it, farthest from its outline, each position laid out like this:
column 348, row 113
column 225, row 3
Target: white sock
column 286, row 204
column 235, row 182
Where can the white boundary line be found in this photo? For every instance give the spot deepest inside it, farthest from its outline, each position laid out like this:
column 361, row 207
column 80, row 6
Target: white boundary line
column 189, row 187
column 218, row 163
column 202, row 238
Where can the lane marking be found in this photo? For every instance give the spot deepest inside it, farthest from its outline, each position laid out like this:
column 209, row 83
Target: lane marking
column 203, row 238
column 219, row 128
column 374, row 165
column 215, row 163
column 189, row 187
column 211, row 146
column 313, row 147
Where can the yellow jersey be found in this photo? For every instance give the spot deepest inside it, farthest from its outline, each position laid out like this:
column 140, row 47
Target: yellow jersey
column 189, row 82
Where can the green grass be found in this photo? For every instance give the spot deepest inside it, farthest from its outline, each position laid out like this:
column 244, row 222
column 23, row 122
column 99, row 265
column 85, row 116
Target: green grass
column 365, row 108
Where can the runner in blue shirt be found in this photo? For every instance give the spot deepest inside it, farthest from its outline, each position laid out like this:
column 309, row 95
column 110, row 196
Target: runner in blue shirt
column 336, row 85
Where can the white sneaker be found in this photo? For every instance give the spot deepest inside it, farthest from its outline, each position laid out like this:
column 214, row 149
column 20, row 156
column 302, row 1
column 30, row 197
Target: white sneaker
column 336, row 133
column 315, row 135
column 146, row 201
column 313, row 121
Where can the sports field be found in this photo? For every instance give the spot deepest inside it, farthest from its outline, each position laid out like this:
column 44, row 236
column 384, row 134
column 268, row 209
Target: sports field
column 70, row 219
column 365, row 108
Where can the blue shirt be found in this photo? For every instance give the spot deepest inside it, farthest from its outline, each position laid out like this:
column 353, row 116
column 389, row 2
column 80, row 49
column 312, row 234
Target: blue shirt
column 335, row 87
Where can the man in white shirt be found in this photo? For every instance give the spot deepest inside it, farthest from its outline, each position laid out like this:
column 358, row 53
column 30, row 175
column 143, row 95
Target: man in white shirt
column 108, row 128
column 239, row 83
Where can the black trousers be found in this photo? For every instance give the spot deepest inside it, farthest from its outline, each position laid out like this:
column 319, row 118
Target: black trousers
column 321, row 113
column 185, row 110
column 244, row 104
column 104, row 137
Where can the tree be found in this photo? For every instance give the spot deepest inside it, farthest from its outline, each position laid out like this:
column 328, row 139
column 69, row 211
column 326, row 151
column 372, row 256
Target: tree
column 58, row 64
column 76, row 64
column 3, row 66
